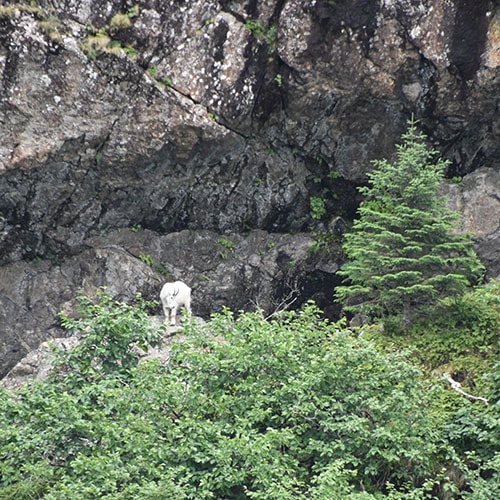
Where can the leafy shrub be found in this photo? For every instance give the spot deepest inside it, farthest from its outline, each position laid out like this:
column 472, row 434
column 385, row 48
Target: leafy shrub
column 460, row 335
column 290, row 408
column 474, row 432
column 256, row 28
column 111, row 333
column 228, row 245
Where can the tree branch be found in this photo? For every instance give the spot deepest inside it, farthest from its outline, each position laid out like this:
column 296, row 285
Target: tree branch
column 457, row 386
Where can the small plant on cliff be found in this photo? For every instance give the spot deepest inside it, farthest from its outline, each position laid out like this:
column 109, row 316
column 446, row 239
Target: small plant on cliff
column 166, row 82
column 119, row 22
column 271, row 38
column 256, row 28
column 228, row 245
column 11, row 11
column 404, row 251
column 318, row 207
column 147, row 259
column 133, row 11
column 51, row 26
column 152, row 71
column 98, row 44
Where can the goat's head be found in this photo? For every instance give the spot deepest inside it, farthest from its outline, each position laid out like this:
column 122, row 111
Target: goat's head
column 170, row 299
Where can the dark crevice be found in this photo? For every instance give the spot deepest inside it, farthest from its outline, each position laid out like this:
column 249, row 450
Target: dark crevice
column 333, row 18
column 469, row 37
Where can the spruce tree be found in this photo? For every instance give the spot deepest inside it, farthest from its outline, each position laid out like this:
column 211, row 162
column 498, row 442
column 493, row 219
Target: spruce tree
column 404, row 251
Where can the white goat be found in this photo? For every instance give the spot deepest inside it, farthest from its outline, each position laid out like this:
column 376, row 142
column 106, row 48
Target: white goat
column 173, row 296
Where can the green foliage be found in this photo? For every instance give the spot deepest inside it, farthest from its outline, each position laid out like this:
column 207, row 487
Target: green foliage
column 152, row 72
column 456, row 180
column 130, row 51
column 290, row 408
column 133, row 11
column 51, row 26
column 335, row 175
column 459, row 335
column 147, row 259
column 228, row 245
column 474, row 432
column 166, row 82
column 99, row 43
column 309, row 398
column 271, row 39
column 403, row 251
column 98, row 157
column 260, row 32
column 256, row 28
column 161, row 268
column 10, row 11
column 214, row 117
column 327, row 242
column 318, row 207
column 111, row 334
column 158, row 267
column 119, row 22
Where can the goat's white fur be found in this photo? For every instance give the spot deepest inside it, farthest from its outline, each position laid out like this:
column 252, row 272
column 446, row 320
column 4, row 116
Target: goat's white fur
column 173, row 296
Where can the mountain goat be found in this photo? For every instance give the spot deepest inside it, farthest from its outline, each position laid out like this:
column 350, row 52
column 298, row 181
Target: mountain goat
column 173, row 296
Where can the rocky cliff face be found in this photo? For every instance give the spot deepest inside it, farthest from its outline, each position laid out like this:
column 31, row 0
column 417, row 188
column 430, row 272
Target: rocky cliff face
column 221, row 116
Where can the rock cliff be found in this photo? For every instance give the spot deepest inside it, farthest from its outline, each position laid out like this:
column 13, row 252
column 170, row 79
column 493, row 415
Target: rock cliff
column 187, row 120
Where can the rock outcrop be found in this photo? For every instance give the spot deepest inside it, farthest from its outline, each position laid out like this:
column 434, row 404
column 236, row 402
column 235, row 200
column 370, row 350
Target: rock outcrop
column 225, row 115
column 196, row 117
column 259, row 269
column 477, row 197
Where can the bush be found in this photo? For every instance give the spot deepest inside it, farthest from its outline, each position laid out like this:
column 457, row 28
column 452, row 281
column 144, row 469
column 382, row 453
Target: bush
column 291, row 408
column 460, row 335
column 119, row 22
column 112, row 332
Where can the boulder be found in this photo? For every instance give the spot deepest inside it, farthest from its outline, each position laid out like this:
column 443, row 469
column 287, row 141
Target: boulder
column 477, row 198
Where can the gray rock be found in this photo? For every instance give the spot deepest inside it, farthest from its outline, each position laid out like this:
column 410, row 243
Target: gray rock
column 223, row 115
column 477, row 197
column 242, row 272
column 37, row 364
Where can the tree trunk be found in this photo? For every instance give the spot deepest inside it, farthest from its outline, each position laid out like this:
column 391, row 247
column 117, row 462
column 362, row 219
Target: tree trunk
column 406, row 314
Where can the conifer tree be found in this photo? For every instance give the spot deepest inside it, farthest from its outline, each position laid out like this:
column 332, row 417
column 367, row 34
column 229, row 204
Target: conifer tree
column 404, row 251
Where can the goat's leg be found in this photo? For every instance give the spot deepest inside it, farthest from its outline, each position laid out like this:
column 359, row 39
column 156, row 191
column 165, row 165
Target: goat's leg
column 166, row 311
column 173, row 311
